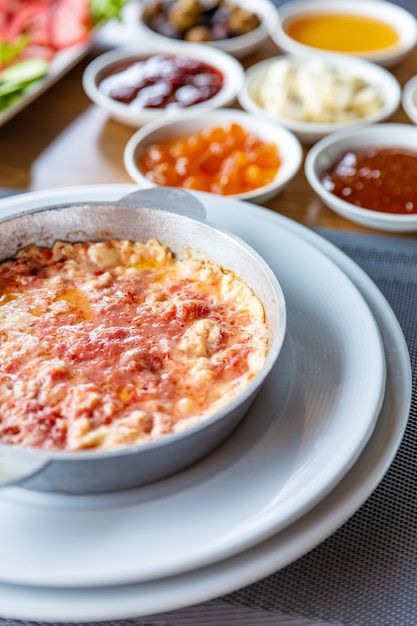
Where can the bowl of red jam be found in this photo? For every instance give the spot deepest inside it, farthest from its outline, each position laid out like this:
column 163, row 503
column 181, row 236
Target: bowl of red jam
column 376, row 30
column 136, row 87
column 226, row 152
column 368, row 175
column 238, row 27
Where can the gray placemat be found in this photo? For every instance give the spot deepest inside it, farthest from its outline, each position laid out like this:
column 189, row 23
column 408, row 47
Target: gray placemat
column 365, row 573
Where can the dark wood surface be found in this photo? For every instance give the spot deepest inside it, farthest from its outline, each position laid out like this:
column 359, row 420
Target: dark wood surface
column 62, row 139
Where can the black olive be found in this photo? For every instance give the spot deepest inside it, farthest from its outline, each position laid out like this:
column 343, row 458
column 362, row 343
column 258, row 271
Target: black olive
column 199, row 33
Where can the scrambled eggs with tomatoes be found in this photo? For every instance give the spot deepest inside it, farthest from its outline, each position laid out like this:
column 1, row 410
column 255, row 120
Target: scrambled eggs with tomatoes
column 107, row 344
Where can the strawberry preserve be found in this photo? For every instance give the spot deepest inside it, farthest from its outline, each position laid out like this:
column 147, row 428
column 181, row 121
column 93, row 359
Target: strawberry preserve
column 162, row 81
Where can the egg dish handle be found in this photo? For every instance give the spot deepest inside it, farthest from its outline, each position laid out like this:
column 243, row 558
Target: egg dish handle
column 167, row 199
column 18, row 464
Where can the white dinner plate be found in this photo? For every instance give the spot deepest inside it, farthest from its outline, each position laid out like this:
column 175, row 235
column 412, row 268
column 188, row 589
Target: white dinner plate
column 134, row 600
column 304, row 431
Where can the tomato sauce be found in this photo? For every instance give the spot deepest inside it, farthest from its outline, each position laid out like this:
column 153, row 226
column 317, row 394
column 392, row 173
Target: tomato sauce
column 161, row 80
column 380, row 179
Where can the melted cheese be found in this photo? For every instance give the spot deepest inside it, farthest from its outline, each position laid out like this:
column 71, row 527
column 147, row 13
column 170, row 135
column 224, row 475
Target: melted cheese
column 107, row 344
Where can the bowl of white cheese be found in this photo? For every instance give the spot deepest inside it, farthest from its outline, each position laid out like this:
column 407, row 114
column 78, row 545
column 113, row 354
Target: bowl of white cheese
column 314, row 97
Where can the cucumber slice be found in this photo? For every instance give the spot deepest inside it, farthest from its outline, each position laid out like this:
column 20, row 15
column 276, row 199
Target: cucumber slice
column 8, row 88
column 8, row 101
column 24, row 72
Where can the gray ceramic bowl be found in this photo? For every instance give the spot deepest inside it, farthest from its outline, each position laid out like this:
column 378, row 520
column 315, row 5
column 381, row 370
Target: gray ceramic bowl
column 177, row 219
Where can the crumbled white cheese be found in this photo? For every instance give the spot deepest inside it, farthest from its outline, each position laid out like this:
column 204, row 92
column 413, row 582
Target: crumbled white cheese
column 314, row 91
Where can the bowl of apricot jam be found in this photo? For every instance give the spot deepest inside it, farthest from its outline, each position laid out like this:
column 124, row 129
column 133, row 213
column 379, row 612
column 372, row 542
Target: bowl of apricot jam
column 135, row 86
column 225, row 152
column 376, row 30
column 367, row 174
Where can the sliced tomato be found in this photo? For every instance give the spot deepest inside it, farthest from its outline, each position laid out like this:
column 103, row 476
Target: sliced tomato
column 70, row 23
column 19, row 17
column 33, row 20
column 8, row 9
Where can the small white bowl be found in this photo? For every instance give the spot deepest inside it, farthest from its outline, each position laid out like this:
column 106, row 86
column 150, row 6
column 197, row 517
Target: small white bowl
column 239, row 47
column 289, row 147
column 409, row 99
column 393, row 15
column 309, row 132
column 328, row 150
column 137, row 116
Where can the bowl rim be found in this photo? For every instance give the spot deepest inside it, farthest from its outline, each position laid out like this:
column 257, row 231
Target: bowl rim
column 265, row 9
column 231, row 69
column 320, row 149
column 409, row 98
column 400, row 18
column 287, row 139
column 385, row 79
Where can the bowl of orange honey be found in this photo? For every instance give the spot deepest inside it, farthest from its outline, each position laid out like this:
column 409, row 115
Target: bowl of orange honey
column 376, row 30
column 226, row 152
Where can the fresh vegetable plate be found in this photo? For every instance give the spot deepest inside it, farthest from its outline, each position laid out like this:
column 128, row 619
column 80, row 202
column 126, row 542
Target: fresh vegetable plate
column 40, row 40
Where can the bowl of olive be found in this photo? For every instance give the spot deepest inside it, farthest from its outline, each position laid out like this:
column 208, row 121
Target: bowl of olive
column 238, row 27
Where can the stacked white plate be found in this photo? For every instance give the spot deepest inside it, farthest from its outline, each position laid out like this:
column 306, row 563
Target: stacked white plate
column 316, row 442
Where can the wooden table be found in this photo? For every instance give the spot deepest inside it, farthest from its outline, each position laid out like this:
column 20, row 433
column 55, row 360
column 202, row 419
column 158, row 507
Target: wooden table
column 62, row 139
